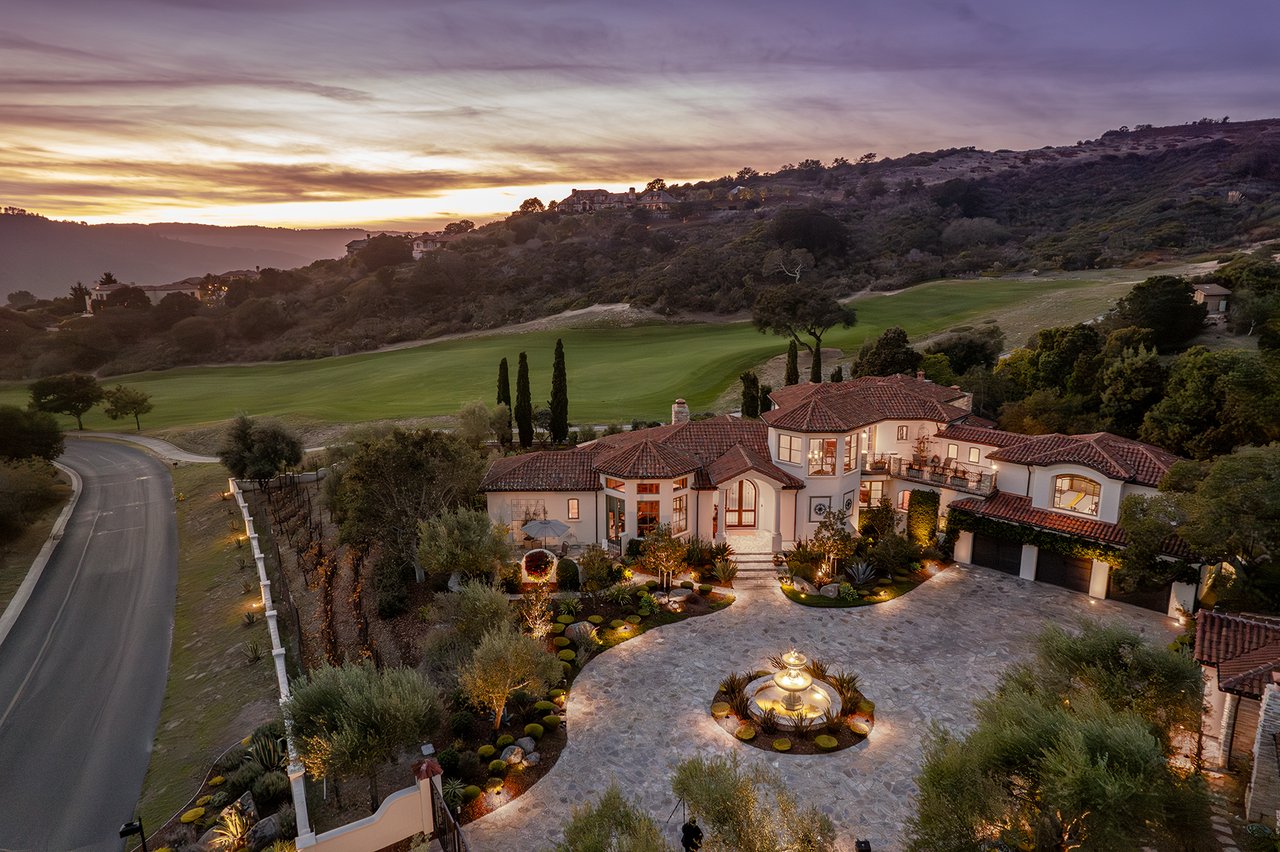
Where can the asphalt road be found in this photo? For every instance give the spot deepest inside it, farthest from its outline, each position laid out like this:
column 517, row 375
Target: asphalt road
column 83, row 670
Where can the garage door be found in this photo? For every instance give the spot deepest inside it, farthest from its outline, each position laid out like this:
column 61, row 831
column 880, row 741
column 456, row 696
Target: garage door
column 997, row 553
column 1070, row 572
column 1156, row 599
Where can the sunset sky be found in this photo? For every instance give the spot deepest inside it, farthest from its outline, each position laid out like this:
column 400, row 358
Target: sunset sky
column 408, row 113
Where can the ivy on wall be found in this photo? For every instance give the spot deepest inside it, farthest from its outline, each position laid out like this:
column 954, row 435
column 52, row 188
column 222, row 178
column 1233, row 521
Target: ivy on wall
column 922, row 516
column 1067, row 545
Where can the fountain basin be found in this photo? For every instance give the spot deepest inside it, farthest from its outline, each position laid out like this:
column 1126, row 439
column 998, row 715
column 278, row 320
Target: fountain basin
column 816, row 699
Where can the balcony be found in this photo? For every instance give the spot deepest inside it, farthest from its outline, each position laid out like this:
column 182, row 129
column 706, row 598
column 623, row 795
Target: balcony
column 946, row 475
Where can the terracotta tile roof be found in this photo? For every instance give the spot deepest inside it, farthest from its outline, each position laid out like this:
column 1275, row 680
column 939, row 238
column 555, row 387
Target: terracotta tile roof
column 646, row 459
column 981, row 435
column 740, row 460
column 1243, row 647
column 1018, row 509
column 1110, row 455
column 691, row 447
column 1211, row 289
column 844, row 406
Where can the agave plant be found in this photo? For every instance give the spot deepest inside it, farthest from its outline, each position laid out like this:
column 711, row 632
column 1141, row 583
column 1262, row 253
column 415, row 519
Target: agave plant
column 726, row 570
column 769, row 720
column 452, row 790
column 861, row 573
column 817, row 668
column 846, row 685
column 269, row 752
column 734, row 684
column 232, row 830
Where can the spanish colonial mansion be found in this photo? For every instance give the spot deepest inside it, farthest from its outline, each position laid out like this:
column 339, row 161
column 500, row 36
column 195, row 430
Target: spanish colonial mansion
column 764, row 484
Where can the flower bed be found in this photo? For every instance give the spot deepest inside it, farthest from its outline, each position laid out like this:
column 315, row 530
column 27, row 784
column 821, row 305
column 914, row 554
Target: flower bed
column 865, row 595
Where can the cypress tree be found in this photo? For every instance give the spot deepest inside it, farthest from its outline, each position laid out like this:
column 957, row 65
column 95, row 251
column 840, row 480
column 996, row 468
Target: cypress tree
column 559, row 402
column 837, row 375
column 815, row 369
column 793, row 365
column 504, row 391
column 524, row 403
column 750, row 395
column 766, row 404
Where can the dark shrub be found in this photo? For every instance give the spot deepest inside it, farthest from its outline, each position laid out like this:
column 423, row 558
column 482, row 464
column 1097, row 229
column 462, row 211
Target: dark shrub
column 461, row 723
column 449, row 760
column 270, row 788
column 567, row 575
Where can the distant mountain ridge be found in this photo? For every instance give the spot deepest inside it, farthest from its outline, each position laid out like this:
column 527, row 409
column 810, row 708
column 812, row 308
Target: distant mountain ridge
column 47, row 256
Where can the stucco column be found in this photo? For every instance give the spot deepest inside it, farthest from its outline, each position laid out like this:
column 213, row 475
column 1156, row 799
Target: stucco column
column 1264, row 786
column 1027, row 565
column 1228, row 732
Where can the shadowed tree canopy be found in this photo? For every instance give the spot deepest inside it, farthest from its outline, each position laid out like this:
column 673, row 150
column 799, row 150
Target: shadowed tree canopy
column 790, row 311
column 259, row 451
column 818, row 233
column 1166, row 303
column 127, row 402
column 133, row 298
column 968, row 349
column 71, row 393
column 384, row 250
column 28, row 434
column 889, row 354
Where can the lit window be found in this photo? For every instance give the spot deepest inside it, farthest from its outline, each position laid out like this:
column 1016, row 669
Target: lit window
column 680, row 484
column 822, row 457
column 902, row 433
column 870, row 493
column 573, row 508
column 848, row 453
column 615, row 484
column 1076, row 494
column 647, row 488
column 904, row 500
column 953, row 451
column 789, row 449
column 646, row 517
column 740, row 504
column 680, row 514
column 975, row 455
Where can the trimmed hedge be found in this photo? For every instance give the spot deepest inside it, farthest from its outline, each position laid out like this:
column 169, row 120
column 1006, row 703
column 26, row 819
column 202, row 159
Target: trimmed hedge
column 565, row 619
column 560, row 642
column 533, row 729
column 544, row 706
column 616, row 623
column 704, row 589
column 922, row 516
column 557, row 628
column 470, row 793
column 633, row 619
column 595, row 619
column 191, row 816
column 556, row 693
column 686, row 584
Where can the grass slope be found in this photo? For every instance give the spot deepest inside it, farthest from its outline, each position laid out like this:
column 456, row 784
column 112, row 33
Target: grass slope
column 213, row 697
column 17, row 554
column 614, row 373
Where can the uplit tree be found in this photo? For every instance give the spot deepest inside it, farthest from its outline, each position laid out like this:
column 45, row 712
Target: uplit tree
column 506, row 661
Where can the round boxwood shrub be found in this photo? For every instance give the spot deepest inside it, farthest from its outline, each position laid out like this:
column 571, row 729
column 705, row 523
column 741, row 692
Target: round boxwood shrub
column 533, row 729
column 504, row 741
column 449, row 760
column 567, row 668
column 485, row 752
column 271, row 787
column 745, row 732
column 616, row 623
column 470, row 793
column 493, row 785
column 884, row 581
column 596, row 619
column 560, row 642
column 557, row 692
column 233, row 758
column 497, row 767
column 860, row 728
column 825, row 742
column 567, row 655
column 633, row 619
column 557, row 628
column 866, row 707
column 686, row 584
column 651, row 584
column 203, row 800
column 243, row 778
column 704, row 589
column 461, row 722
column 551, row 722
column 544, row 706
column 191, row 816
column 720, row 709
column 565, row 619
column 782, row 744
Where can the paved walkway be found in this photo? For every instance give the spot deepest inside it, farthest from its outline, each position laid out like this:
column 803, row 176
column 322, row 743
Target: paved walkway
column 161, row 448
column 641, row 708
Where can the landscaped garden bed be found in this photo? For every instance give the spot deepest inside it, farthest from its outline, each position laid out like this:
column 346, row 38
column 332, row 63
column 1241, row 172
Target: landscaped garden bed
column 848, row 595
column 825, row 711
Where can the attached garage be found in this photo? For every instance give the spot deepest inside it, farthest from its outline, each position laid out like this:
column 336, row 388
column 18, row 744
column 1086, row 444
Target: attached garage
column 1156, row 599
column 1070, row 572
column 998, row 553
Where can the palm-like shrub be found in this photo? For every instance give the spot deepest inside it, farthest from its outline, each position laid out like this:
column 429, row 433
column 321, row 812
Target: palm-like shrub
column 232, row 830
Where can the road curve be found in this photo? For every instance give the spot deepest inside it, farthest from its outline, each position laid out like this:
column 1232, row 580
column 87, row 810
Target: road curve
column 83, row 670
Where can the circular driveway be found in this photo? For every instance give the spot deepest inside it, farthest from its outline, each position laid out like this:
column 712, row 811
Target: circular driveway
column 639, row 709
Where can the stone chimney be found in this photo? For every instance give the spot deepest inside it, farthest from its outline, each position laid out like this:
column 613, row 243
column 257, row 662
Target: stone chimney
column 965, row 401
column 680, row 412
column 919, row 375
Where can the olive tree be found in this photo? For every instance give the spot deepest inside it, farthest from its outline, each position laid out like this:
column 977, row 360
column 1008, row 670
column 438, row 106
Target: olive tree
column 505, row 661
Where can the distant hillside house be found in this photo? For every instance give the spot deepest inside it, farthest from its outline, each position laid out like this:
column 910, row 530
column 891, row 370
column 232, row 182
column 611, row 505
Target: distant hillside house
column 1214, row 296
column 592, row 200
column 762, row 485
column 427, row 243
column 355, row 245
column 155, row 292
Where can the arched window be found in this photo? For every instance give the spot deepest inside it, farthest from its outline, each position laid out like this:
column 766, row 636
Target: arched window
column 740, row 505
column 1076, row 494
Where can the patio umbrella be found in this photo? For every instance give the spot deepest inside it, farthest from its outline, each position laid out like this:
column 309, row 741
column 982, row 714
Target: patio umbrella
column 544, row 529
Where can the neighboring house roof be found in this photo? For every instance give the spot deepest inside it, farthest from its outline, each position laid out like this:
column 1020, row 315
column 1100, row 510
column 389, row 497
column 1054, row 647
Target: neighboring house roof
column 841, row 406
column 1110, row 455
column 1017, row 509
column 703, row 448
column 1211, row 289
column 1243, row 647
column 980, row 435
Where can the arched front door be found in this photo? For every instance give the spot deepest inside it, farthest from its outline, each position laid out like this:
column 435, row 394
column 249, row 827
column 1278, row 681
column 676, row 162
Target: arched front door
column 740, row 505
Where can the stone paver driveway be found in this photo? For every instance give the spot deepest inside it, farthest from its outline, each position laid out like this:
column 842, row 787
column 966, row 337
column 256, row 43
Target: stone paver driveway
column 642, row 707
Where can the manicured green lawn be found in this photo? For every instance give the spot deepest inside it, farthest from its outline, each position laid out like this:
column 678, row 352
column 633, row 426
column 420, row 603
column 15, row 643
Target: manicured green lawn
column 614, row 373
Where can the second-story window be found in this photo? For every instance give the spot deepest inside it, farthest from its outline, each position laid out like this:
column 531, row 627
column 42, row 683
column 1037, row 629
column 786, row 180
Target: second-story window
column 1076, row 494
column 822, row 457
column 953, row 451
column 903, row 433
column 615, row 484
column 975, row 455
column 849, row 442
column 647, row 488
column 789, row 449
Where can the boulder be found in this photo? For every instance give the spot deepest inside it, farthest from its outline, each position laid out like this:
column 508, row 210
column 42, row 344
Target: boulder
column 246, row 805
column 580, row 630
column 528, row 744
column 264, row 833
column 800, row 584
column 532, row 759
column 830, row 590
column 680, row 594
column 513, row 754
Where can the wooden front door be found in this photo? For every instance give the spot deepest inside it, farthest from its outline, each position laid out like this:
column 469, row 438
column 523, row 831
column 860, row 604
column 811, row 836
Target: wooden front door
column 740, row 505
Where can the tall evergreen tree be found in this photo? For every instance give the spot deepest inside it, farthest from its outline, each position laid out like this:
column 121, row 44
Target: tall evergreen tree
column 504, row 398
column 524, row 403
column 815, row 366
column 766, row 404
column 793, row 365
column 837, row 375
column 559, row 402
column 750, row 394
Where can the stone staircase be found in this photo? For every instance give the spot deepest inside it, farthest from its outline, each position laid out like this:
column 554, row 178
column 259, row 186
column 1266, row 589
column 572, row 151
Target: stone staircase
column 756, row 568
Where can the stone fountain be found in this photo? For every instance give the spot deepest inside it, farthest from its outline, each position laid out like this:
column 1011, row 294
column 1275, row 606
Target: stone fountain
column 792, row 692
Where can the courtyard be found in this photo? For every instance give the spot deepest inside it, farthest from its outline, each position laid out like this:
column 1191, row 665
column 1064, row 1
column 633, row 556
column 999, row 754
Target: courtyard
column 640, row 708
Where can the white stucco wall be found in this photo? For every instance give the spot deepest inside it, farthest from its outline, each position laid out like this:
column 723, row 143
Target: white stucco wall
column 1042, row 480
column 505, row 507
